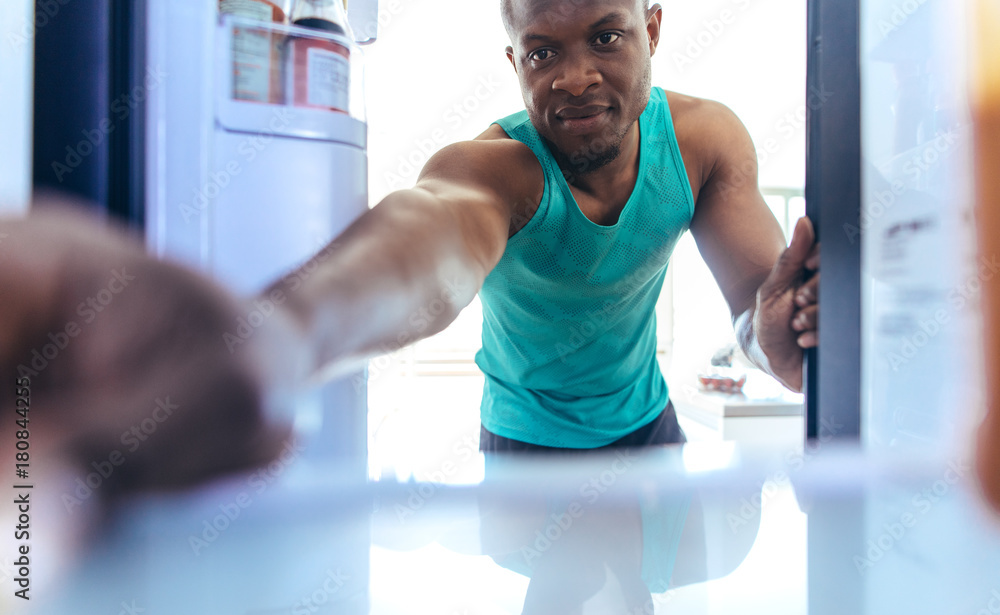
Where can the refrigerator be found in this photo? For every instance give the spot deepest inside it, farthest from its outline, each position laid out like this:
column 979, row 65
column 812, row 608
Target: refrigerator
column 246, row 192
column 249, row 190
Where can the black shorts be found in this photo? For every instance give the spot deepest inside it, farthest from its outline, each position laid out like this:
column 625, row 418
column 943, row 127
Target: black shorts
column 664, row 429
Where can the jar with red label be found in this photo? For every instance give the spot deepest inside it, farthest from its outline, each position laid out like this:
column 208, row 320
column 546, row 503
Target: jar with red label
column 320, row 68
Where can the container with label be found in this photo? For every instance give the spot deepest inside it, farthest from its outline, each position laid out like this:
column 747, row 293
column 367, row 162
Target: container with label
column 256, row 53
column 320, row 68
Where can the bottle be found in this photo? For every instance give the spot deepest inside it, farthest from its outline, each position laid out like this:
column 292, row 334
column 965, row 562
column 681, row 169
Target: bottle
column 986, row 115
column 320, row 68
column 256, row 53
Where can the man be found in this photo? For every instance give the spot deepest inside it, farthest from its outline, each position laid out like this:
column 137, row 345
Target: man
column 563, row 218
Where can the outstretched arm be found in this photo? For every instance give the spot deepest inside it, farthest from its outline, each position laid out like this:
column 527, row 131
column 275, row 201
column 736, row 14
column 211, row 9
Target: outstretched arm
column 405, row 269
column 107, row 336
column 769, row 290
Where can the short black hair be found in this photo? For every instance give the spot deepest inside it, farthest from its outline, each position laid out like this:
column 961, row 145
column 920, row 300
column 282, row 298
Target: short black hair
column 506, row 13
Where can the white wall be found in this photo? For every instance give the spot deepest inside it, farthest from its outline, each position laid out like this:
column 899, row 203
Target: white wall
column 16, row 83
column 438, row 74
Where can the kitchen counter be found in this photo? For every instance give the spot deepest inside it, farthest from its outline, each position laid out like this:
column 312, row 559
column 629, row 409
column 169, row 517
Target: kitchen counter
column 761, row 415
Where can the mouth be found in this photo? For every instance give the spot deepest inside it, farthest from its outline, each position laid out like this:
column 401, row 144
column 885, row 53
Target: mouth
column 578, row 120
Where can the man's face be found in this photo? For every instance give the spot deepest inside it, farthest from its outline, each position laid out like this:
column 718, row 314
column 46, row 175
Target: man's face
column 584, row 68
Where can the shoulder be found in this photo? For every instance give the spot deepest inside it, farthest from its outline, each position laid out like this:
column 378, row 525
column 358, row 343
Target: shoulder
column 707, row 125
column 500, row 168
column 492, row 158
column 709, row 134
column 693, row 112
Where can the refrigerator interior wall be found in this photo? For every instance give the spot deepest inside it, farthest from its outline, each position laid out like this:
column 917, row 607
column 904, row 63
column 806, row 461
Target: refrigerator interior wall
column 247, row 191
column 920, row 278
column 16, row 18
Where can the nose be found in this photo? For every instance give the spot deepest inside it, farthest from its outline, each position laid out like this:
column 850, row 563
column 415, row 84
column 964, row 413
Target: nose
column 576, row 75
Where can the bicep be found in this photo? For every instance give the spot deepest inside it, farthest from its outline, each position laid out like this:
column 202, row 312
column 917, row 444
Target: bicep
column 736, row 233
column 478, row 184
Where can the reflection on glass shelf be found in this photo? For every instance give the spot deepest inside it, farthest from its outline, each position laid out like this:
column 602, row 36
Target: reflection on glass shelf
column 701, row 528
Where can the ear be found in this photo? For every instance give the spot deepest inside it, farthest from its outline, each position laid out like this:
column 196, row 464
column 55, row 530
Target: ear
column 653, row 17
column 510, row 57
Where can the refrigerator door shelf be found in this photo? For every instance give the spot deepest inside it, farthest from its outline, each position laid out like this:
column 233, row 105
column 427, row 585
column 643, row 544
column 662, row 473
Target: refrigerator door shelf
column 269, row 65
column 288, row 121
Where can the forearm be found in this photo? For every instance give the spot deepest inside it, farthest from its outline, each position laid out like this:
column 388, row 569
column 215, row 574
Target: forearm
column 400, row 273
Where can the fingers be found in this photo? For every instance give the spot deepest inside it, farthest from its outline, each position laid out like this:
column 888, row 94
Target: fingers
column 805, row 323
column 806, row 319
column 788, row 270
column 808, row 293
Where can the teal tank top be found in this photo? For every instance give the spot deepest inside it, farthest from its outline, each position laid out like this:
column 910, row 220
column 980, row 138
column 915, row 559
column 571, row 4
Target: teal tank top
column 569, row 329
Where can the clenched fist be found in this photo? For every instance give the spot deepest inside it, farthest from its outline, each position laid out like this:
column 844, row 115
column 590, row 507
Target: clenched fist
column 124, row 353
column 787, row 312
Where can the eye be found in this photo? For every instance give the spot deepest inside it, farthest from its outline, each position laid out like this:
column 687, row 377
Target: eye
column 606, row 38
column 541, row 55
